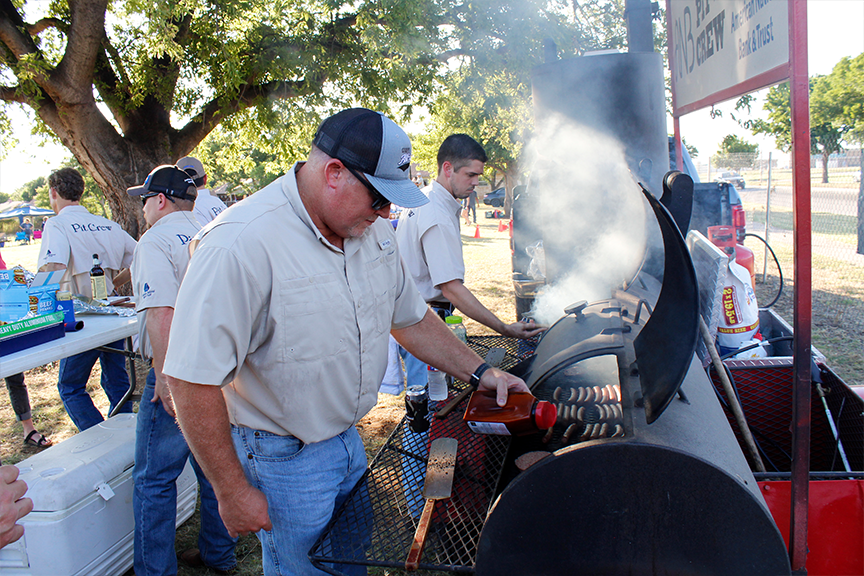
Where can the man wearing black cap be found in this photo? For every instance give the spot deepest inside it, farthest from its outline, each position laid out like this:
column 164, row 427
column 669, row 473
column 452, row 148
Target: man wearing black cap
column 207, row 206
column 161, row 257
column 287, row 355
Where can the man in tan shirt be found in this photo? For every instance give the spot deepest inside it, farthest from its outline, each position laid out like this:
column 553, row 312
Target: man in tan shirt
column 286, row 357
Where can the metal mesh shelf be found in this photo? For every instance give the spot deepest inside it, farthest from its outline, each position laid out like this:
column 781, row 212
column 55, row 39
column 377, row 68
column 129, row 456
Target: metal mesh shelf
column 376, row 525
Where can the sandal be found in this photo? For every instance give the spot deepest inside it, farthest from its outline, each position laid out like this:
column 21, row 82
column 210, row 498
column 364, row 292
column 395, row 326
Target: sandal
column 43, row 442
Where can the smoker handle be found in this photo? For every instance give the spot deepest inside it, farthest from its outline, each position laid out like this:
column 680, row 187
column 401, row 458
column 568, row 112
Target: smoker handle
column 413, row 560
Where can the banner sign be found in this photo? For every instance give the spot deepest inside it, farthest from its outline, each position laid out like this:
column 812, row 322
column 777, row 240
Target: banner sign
column 720, row 49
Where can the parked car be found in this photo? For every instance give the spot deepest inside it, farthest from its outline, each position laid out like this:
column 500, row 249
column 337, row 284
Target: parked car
column 732, row 177
column 495, row 198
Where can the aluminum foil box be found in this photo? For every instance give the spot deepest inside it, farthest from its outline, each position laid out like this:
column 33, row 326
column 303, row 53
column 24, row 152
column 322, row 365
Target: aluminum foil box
column 82, row 521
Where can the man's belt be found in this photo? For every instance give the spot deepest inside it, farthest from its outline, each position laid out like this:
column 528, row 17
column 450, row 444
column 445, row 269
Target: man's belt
column 444, row 305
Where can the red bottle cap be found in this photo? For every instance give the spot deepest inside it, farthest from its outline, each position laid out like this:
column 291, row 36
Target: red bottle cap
column 545, row 415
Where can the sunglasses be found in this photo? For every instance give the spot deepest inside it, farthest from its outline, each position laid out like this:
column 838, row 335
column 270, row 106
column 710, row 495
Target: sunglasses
column 144, row 197
column 378, row 199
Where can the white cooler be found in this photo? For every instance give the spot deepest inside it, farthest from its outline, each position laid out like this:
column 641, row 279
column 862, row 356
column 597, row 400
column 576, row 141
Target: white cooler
column 82, row 521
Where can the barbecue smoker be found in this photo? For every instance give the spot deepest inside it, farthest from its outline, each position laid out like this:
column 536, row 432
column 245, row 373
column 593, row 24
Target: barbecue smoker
column 646, row 476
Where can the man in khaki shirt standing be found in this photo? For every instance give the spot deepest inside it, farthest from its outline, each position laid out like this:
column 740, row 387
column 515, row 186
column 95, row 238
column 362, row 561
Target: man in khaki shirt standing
column 286, row 357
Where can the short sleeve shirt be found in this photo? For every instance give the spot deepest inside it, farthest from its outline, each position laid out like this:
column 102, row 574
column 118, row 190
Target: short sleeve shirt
column 207, row 207
column 158, row 267
column 294, row 329
column 430, row 242
column 73, row 236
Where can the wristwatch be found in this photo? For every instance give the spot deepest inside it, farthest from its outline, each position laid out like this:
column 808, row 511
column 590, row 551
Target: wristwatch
column 478, row 374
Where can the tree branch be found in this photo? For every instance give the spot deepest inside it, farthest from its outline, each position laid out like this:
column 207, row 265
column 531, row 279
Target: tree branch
column 44, row 24
column 83, row 45
column 219, row 108
column 12, row 31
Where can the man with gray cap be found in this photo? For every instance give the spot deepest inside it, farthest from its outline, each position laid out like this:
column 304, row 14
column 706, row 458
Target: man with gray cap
column 161, row 257
column 286, row 357
column 207, row 205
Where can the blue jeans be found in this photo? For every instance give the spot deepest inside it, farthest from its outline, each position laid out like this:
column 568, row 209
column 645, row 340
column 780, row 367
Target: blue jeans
column 415, row 372
column 160, row 455
column 305, row 484
column 72, row 384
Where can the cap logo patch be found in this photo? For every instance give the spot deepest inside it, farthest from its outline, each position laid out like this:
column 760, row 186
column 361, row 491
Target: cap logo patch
column 404, row 161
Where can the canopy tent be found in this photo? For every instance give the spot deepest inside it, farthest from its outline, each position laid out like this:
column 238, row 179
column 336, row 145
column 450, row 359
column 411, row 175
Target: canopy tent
column 25, row 210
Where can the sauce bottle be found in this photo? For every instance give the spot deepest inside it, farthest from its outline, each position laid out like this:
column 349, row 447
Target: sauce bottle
column 97, row 280
column 523, row 414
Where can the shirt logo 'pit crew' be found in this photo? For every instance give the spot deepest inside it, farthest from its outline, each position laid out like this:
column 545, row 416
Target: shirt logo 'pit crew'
column 91, row 227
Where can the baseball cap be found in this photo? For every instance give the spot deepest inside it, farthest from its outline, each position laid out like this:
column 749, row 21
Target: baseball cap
column 373, row 144
column 169, row 180
column 193, row 167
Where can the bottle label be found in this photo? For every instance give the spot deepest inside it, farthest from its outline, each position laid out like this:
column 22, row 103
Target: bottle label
column 100, row 290
column 488, row 428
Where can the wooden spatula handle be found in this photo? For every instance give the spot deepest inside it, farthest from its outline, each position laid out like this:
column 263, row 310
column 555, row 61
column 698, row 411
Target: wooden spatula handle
column 413, row 560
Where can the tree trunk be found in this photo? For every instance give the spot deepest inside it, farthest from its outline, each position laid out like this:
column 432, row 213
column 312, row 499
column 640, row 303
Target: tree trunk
column 115, row 162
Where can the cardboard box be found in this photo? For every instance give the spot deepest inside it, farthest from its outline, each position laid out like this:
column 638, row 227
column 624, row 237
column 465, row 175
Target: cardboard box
column 14, row 296
column 82, row 521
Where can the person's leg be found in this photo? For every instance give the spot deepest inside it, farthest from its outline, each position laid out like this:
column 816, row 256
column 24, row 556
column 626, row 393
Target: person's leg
column 393, row 382
column 18, row 396
column 115, row 378
column 20, row 400
column 302, row 483
column 215, row 545
column 160, row 455
column 72, row 385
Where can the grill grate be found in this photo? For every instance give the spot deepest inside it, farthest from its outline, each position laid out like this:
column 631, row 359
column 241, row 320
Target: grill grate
column 376, row 525
column 765, row 388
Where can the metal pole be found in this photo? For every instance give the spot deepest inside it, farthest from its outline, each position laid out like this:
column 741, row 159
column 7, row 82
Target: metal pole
column 767, row 220
column 800, row 108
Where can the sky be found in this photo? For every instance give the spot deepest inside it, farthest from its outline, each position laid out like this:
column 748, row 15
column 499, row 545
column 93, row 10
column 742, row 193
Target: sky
column 835, row 30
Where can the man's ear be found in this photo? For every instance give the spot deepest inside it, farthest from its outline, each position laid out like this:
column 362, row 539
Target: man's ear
column 334, row 172
column 447, row 169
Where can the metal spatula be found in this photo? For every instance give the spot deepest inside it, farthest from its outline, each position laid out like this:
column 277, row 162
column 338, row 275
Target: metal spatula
column 438, row 486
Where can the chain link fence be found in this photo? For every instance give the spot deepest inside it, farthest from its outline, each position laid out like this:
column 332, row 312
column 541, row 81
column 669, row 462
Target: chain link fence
column 837, row 213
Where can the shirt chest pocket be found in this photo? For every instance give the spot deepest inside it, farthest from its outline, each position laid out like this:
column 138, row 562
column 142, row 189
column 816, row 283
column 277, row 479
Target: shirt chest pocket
column 311, row 314
column 381, row 274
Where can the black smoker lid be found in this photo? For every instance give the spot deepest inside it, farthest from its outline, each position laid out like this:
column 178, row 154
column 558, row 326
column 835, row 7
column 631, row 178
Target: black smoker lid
column 666, row 344
column 663, row 346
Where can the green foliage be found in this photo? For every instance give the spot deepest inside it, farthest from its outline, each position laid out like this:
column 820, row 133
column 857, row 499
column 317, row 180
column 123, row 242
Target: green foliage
column 735, row 153
column 692, row 150
column 29, row 190
column 486, row 91
column 236, row 167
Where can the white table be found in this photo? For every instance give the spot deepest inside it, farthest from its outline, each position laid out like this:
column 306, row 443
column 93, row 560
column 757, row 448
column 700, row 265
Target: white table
column 98, row 330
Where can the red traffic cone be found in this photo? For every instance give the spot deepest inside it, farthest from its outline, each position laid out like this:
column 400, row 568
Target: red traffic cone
column 501, row 226
column 477, row 232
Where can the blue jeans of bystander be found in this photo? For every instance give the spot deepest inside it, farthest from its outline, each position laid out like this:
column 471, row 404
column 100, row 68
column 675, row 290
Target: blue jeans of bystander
column 160, row 455
column 305, row 484
column 72, row 384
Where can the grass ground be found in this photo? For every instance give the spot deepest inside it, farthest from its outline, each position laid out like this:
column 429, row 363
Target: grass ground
column 488, row 275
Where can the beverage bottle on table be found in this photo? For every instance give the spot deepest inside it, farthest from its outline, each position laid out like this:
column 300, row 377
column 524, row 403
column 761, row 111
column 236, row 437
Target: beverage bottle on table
column 97, row 280
column 523, row 414
column 456, row 326
column 437, row 384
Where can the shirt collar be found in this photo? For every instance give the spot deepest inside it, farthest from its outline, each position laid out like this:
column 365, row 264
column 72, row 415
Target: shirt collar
column 440, row 191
